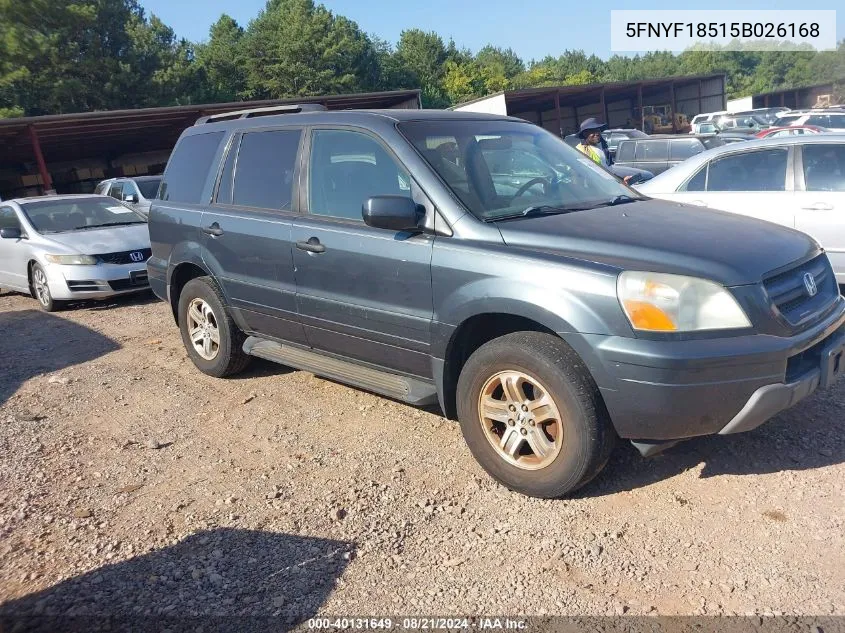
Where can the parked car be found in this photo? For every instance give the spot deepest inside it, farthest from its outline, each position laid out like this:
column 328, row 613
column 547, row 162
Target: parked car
column 612, row 137
column 708, row 117
column 797, row 181
column 659, row 152
column 790, row 130
column 62, row 248
column 769, row 115
column 749, row 122
column 549, row 314
column 137, row 192
column 736, row 136
column 707, row 127
column 831, row 120
column 620, row 171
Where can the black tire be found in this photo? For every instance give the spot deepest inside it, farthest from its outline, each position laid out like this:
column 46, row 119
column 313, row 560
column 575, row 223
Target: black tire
column 230, row 358
column 43, row 296
column 587, row 431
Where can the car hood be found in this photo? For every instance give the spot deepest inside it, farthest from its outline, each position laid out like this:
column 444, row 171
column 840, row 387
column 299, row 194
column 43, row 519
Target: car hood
column 667, row 237
column 105, row 240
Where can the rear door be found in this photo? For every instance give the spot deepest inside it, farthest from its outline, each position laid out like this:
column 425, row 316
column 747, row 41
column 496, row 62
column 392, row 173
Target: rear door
column 820, row 198
column 362, row 292
column 247, row 231
column 755, row 183
column 13, row 257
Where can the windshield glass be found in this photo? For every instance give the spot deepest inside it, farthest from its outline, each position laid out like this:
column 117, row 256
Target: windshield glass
column 500, row 169
column 78, row 214
column 149, row 188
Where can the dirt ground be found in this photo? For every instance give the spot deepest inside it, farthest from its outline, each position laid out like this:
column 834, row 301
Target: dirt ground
column 130, row 483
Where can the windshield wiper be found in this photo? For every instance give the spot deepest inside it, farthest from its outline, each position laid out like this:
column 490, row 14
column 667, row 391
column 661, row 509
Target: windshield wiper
column 535, row 210
column 621, row 199
column 102, row 226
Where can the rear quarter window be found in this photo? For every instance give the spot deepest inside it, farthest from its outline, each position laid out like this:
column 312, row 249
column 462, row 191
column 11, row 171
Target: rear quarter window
column 652, row 150
column 683, row 149
column 625, row 151
column 188, row 167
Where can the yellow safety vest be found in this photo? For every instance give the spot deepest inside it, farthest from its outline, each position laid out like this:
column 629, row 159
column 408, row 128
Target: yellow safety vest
column 589, row 151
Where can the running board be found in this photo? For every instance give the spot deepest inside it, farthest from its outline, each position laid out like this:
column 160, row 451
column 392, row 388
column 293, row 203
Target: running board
column 411, row 390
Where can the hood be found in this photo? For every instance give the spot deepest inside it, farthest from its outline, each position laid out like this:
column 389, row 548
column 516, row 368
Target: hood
column 667, row 237
column 105, row 240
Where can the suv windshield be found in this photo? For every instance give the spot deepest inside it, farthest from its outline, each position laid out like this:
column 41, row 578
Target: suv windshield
column 78, row 214
column 501, row 169
column 149, row 188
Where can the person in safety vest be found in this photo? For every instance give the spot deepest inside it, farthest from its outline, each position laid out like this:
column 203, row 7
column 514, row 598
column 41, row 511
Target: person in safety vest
column 593, row 145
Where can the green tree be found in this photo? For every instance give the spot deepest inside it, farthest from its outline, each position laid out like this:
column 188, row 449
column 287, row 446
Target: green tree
column 296, row 48
column 424, row 56
column 221, row 61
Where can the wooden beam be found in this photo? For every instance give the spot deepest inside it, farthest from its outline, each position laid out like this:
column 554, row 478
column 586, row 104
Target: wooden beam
column 674, row 107
column 557, row 110
column 640, row 106
column 39, row 158
column 604, row 108
column 700, row 107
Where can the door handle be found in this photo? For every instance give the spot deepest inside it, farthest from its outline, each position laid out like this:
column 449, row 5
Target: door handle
column 213, row 230
column 311, row 246
column 819, row 206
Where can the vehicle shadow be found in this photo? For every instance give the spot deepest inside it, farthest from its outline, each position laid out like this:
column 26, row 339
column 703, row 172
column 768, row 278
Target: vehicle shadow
column 34, row 342
column 220, row 580
column 808, row 436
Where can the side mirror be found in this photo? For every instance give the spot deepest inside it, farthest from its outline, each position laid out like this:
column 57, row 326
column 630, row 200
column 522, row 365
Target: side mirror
column 394, row 213
column 132, row 198
column 11, row 233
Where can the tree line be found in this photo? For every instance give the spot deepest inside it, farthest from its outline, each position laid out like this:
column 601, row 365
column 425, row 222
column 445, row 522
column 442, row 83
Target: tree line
column 84, row 55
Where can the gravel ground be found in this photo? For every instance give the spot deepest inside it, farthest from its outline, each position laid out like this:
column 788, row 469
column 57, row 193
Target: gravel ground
column 132, row 484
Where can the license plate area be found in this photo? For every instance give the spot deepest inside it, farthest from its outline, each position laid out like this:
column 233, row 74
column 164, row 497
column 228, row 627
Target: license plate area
column 138, row 278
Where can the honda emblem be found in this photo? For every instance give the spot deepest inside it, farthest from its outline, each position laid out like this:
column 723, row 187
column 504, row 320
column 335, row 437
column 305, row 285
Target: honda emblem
column 138, row 256
column 810, row 284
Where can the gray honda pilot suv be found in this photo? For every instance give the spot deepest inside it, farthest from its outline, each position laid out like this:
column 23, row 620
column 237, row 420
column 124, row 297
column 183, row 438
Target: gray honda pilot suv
column 479, row 262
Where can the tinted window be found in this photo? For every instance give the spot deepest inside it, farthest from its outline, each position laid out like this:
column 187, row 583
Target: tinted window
column 100, row 188
column 8, row 219
column 787, row 119
column 116, row 191
column 346, row 169
column 187, row 170
column 824, row 167
column 679, row 150
column 822, row 120
column 149, row 188
column 697, row 182
column 625, row 151
column 652, row 150
column 224, row 189
column 264, row 173
column 750, row 171
column 836, row 120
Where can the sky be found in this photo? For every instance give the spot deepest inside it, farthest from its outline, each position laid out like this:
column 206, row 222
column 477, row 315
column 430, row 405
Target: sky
column 532, row 28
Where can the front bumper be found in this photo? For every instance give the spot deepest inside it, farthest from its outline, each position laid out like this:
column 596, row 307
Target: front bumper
column 672, row 390
column 68, row 283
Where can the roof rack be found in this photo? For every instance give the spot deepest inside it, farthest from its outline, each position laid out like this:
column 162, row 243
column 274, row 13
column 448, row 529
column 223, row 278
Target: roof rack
column 255, row 112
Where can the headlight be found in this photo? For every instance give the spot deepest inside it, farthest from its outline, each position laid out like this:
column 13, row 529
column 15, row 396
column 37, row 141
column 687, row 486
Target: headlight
column 657, row 302
column 71, row 260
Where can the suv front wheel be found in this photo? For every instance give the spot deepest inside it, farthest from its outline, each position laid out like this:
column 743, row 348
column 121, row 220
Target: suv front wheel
column 213, row 341
column 532, row 415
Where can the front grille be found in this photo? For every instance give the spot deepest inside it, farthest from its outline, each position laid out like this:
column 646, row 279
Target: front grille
column 138, row 280
column 788, row 291
column 125, row 257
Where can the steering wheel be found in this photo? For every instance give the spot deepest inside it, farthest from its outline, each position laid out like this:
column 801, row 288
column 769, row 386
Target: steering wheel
column 529, row 184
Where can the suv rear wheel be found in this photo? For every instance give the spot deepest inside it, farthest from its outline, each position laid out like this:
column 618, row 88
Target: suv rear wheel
column 532, row 415
column 213, row 341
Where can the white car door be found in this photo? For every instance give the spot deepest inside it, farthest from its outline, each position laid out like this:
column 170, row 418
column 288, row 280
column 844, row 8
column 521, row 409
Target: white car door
column 13, row 259
column 820, row 199
column 756, row 183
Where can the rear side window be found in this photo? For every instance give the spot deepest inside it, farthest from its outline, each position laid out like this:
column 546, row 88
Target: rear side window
column 824, row 167
column 697, row 182
column 652, row 150
column 763, row 170
column 188, row 168
column 835, row 120
column 822, row 120
column 265, row 166
column 680, row 150
column 116, row 191
column 625, row 151
column 9, row 219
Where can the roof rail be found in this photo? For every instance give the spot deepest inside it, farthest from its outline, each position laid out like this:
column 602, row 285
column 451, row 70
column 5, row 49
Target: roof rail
column 254, row 112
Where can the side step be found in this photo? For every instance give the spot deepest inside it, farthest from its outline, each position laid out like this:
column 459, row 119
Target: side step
column 410, row 390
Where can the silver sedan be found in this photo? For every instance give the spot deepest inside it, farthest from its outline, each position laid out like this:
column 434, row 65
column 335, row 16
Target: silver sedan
column 64, row 248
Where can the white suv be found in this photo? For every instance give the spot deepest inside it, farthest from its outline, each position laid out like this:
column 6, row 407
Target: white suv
column 831, row 120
